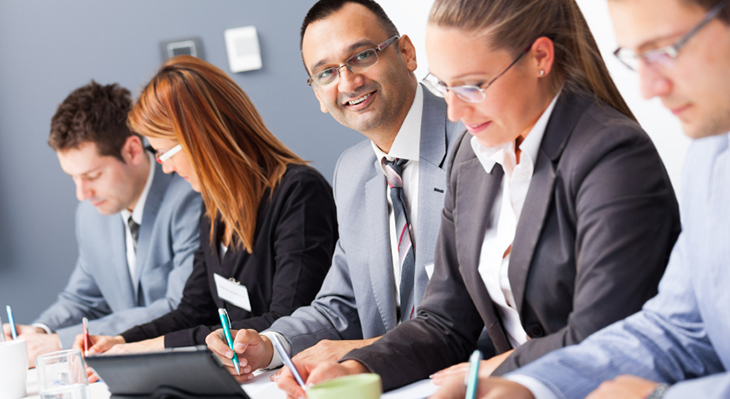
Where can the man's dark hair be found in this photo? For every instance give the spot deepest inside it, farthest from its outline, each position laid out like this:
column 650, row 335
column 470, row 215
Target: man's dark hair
column 93, row 113
column 324, row 8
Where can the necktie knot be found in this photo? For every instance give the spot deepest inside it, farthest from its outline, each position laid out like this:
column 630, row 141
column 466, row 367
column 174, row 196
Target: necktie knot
column 133, row 230
column 394, row 171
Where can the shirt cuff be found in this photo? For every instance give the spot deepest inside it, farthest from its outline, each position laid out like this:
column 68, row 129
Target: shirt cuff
column 44, row 327
column 538, row 389
column 276, row 360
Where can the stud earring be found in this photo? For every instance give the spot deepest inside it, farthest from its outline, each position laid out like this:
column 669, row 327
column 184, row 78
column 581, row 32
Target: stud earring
column 542, row 72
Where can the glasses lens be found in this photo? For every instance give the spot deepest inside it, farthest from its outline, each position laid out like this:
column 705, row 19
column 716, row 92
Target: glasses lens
column 628, row 58
column 362, row 60
column 659, row 57
column 434, row 86
column 471, row 94
column 325, row 77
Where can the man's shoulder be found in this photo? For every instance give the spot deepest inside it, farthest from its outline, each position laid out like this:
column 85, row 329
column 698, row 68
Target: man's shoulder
column 355, row 160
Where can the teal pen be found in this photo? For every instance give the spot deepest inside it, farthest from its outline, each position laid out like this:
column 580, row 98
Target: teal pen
column 11, row 320
column 226, row 324
column 472, row 379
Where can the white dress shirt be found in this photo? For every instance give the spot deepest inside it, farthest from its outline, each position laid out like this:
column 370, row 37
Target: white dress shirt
column 494, row 257
column 136, row 214
column 407, row 145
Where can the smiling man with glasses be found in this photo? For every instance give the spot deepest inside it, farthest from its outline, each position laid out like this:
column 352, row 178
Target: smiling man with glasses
column 389, row 189
column 677, row 346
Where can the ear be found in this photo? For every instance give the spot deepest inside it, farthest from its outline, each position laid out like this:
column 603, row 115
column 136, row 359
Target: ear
column 133, row 151
column 321, row 104
column 543, row 54
column 408, row 52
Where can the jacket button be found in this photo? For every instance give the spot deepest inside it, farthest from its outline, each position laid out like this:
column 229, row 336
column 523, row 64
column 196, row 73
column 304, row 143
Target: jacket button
column 535, row 331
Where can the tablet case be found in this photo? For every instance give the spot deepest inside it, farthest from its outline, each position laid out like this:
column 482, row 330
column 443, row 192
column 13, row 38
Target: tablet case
column 188, row 373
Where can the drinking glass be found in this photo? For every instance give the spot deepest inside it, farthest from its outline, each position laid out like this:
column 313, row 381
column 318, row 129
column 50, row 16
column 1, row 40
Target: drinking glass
column 62, row 375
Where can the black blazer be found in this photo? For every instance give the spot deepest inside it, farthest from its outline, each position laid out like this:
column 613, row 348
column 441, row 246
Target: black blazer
column 597, row 226
column 295, row 236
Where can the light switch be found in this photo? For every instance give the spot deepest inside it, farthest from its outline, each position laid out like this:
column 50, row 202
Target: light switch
column 242, row 45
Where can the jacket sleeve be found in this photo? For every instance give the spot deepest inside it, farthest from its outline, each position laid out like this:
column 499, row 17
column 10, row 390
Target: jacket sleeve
column 627, row 222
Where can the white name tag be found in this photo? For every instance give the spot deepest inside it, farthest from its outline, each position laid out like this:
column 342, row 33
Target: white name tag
column 232, row 292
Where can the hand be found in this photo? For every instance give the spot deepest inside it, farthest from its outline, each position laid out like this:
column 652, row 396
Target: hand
column 486, row 368
column 148, row 345
column 489, row 388
column 254, row 351
column 97, row 343
column 21, row 329
column 625, row 387
column 40, row 344
column 327, row 351
column 314, row 373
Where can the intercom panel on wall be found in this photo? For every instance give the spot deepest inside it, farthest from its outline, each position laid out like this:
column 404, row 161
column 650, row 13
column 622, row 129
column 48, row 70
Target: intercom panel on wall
column 242, row 45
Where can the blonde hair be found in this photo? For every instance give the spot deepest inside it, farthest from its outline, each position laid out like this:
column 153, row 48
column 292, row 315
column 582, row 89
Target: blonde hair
column 234, row 155
column 515, row 24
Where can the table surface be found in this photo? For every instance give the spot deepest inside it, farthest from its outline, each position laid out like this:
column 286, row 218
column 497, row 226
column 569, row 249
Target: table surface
column 259, row 388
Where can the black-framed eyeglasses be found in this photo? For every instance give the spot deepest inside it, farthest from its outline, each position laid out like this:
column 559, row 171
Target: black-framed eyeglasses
column 358, row 63
column 665, row 56
column 468, row 93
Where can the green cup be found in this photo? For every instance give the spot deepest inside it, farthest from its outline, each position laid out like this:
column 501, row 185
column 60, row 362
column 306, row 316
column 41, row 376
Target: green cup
column 359, row 386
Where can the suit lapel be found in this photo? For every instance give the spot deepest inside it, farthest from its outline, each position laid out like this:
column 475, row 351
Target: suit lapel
column 155, row 195
column 475, row 196
column 377, row 236
column 568, row 110
column 431, row 183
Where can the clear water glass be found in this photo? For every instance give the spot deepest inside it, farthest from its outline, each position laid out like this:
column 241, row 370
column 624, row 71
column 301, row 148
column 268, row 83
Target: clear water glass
column 62, row 375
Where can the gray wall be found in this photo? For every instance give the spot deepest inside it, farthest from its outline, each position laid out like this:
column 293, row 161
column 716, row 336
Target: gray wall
column 48, row 48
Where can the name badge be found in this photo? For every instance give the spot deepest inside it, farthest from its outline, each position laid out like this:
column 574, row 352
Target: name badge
column 232, row 292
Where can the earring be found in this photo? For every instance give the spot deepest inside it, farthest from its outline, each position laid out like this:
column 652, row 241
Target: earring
column 542, row 72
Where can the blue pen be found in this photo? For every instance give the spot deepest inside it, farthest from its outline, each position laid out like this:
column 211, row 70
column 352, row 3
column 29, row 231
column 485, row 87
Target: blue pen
column 11, row 320
column 226, row 324
column 472, row 379
column 287, row 360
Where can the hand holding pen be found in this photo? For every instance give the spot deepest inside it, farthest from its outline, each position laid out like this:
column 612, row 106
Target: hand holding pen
column 226, row 324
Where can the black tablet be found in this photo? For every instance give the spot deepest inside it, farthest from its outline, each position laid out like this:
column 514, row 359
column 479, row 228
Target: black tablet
column 193, row 372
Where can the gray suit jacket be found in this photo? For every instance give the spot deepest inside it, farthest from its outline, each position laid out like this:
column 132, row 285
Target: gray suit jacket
column 357, row 299
column 593, row 239
column 100, row 287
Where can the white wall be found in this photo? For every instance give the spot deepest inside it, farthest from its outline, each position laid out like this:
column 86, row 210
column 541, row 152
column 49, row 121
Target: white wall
column 410, row 17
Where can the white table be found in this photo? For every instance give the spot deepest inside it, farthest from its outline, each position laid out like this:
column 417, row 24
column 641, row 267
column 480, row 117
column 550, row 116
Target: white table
column 259, row 388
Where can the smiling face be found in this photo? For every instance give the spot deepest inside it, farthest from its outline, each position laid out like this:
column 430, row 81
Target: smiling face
column 376, row 101
column 697, row 87
column 177, row 163
column 106, row 182
column 513, row 103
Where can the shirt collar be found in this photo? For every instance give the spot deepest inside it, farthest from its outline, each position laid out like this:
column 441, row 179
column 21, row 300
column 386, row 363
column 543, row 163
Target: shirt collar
column 529, row 146
column 407, row 143
column 138, row 211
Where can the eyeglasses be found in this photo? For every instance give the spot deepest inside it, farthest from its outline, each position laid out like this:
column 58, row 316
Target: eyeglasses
column 165, row 155
column 667, row 55
column 468, row 93
column 358, row 63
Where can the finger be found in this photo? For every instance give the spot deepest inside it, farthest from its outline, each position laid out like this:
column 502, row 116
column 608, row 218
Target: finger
column 274, row 377
column 325, row 372
column 287, row 383
column 78, row 343
column 452, row 388
column 244, row 339
column 217, row 344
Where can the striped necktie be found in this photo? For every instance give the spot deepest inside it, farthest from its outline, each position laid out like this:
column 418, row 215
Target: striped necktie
column 134, row 230
column 404, row 230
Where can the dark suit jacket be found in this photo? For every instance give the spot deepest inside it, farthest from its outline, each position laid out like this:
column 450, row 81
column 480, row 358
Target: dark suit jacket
column 296, row 231
column 591, row 245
